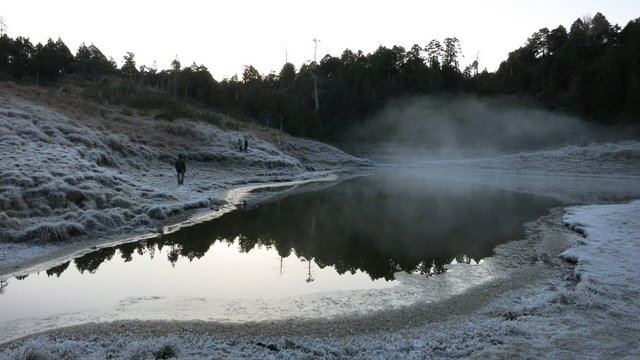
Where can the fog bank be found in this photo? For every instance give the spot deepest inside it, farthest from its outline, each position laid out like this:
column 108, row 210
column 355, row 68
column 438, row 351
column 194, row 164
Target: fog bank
column 471, row 126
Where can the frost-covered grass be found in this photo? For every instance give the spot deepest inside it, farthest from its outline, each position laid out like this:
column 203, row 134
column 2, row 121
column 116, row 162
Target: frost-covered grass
column 67, row 177
column 64, row 178
column 603, row 159
column 587, row 308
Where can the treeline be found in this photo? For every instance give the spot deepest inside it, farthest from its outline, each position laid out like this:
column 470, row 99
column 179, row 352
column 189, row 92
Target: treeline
column 591, row 70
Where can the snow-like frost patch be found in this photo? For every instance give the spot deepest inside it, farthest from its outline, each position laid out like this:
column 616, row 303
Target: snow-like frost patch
column 599, row 317
column 65, row 178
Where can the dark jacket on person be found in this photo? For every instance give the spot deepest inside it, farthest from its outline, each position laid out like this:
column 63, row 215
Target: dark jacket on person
column 181, row 166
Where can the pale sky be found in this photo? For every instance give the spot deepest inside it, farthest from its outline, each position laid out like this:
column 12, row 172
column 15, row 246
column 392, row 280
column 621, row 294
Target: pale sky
column 225, row 35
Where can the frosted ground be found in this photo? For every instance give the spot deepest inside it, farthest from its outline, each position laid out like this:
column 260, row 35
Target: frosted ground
column 83, row 175
column 569, row 290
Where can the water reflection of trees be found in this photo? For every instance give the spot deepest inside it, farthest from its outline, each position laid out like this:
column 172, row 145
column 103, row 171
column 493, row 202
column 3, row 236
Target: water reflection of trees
column 360, row 225
column 58, row 270
column 90, row 262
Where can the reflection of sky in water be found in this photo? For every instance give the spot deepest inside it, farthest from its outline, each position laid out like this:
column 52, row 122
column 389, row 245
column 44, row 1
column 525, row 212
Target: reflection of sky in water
column 223, row 273
column 252, row 264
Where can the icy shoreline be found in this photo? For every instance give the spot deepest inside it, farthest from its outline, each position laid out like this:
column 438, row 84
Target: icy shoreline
column 86, row 175
column 16, row 258
column 582, row 307
column 71, row 177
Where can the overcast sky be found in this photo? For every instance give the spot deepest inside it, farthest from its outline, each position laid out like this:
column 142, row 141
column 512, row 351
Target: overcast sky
column 225, row 35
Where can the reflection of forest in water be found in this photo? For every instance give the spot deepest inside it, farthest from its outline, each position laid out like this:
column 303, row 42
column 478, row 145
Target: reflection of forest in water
column 374, row 225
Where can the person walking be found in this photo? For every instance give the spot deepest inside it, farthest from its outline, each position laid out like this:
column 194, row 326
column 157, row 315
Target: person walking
column 181, row 168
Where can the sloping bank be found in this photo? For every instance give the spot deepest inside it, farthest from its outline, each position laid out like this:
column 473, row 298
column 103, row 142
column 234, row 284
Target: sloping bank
column 584, row 307
column 74, row 179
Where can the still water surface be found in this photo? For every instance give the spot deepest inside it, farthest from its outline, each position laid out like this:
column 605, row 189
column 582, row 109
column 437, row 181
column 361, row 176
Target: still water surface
column 354, row 235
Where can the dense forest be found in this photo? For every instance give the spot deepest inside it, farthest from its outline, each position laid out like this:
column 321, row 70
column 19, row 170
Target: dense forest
column 591, row 70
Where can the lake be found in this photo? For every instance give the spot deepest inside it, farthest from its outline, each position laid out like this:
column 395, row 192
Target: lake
column 344, row 236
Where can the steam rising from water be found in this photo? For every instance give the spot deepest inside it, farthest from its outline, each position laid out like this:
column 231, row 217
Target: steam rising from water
column 469, row 126
column 507, row 144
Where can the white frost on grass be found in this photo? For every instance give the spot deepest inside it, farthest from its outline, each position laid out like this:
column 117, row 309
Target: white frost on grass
column 593, row 313
column 115, row 173
column 607, row 258
column 65, row 178
column 602, row 158
column 596, row 173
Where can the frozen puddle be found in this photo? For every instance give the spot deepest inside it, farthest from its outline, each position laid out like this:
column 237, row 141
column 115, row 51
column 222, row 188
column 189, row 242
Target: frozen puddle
column 364, row 245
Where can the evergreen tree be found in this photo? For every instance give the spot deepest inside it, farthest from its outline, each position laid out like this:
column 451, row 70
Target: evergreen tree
column 129, row 67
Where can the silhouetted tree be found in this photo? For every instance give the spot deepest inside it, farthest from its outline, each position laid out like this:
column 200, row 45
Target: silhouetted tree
column 451, row 52
column 6, row 47
column 22, row 54
column 287, row 75
column 128, row 69
column 592, row 70
column 52, row 60
column 175, row 71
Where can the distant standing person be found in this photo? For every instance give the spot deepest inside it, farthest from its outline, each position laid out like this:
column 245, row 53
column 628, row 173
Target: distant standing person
column 246, row 144
column 181, row 168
